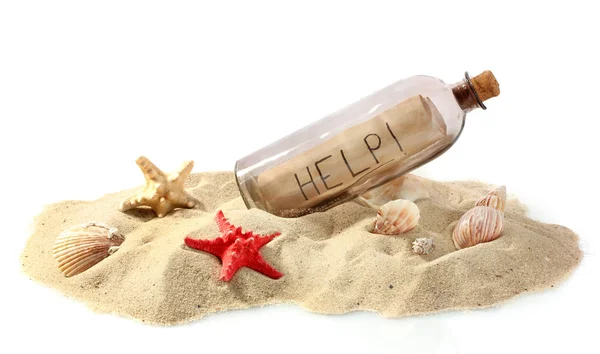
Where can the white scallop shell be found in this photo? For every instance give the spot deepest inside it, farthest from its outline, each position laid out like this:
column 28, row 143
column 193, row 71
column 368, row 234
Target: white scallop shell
column 480, row 224
column 81, row 247
column 423, row 245
column 495, row 199
column 395, row 217
column 407, row 187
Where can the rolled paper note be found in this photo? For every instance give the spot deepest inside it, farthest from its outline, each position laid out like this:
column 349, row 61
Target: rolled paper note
column 363, row 154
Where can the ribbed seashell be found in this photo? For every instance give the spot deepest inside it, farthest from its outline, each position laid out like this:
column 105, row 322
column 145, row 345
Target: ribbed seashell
column 423, row 245
column 395, row 217
column 407, row 187
column 495, row 199
column 480, row 224
column 80, row 247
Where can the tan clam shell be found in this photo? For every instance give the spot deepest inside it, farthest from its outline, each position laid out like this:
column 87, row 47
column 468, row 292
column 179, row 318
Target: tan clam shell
column 407, row 187
column 395, row 217
column 423, row 245
column 480, row 224
column 80, row 247
column 495, row 199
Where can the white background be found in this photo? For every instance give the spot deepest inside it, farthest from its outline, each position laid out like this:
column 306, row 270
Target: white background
column 86, row 87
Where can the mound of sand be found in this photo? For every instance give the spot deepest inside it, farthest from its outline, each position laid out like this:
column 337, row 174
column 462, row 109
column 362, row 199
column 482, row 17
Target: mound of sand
column 331, row 263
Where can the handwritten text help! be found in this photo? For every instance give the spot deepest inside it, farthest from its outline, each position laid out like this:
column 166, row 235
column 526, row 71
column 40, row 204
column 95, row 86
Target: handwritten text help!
column 360, row 154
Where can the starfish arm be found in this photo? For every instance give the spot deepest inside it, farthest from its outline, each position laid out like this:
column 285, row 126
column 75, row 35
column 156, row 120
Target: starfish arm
column 227, row 272
column 260, row 265
column 162, row 207
column 216, row 247
column 222, row 222
column 182, row 173
column 263, row 240
column 133, row 201
column 232, row 262
column 191, row 200
column 181, row 200
column 151, row 172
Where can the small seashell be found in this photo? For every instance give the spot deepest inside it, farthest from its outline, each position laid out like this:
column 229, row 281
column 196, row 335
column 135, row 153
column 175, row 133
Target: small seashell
column 395, row 217
column 81, row 247
column 407, row 187
column 495, row 199
column 423, row 245
column 480, row 224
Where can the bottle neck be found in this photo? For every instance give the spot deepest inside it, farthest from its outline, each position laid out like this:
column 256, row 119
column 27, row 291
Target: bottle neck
column 466, row 96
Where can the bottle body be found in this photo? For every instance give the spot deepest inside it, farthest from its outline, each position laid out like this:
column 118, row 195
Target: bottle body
column 376, row 139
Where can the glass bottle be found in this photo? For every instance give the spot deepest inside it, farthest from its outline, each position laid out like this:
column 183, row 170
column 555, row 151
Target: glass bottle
column 362, row 146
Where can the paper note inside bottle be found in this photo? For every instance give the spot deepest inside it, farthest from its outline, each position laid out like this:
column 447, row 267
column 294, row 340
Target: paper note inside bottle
column 358, row 154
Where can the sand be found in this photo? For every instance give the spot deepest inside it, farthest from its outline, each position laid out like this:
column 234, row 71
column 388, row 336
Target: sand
column 332, row 265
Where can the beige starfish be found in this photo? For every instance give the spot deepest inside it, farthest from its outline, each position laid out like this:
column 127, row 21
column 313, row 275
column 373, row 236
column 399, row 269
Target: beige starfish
column 162, row 192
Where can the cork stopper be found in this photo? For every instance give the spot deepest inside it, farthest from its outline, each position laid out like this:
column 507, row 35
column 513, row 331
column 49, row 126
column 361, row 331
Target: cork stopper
column 485, row 85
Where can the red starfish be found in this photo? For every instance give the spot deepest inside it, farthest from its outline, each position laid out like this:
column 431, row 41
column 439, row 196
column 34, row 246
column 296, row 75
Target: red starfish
column 236, row 249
